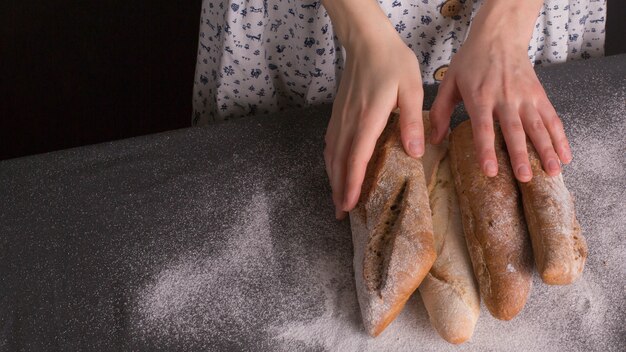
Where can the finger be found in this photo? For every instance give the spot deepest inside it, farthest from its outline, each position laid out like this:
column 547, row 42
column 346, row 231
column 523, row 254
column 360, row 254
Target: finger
column 484, row 136
column 515, row 139
column 441, row 110
column 411, row 123
column 338, row 173
column 329, row 149
column 329, row 141
column 557, row 133
column 361, row 151
column 328, row 160
column 335, row 144
column 539, row 136
column 330, row 138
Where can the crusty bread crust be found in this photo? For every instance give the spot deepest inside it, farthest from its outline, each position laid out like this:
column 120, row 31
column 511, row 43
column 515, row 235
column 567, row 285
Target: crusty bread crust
column 391, row 232
column 494, row 225
column 449, row 291
column 433, row 154
column 559, row 248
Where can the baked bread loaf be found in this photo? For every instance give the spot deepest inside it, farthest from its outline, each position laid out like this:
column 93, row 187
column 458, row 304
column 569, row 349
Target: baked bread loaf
column 493, row 223
column 433, row 155
column 392, row 231
column 449, row 291
column 559, row 248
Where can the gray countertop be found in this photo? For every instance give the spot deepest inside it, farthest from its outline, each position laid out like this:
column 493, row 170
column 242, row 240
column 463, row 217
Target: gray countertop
column 223, row 238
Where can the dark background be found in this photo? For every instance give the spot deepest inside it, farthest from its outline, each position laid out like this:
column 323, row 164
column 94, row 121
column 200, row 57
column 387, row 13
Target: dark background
column 83, row 72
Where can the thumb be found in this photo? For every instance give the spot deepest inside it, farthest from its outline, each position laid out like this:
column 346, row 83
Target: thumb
column 441, row 110
column 411, row 124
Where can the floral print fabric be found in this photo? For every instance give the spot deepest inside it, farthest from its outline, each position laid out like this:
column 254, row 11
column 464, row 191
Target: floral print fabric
column 261, row 56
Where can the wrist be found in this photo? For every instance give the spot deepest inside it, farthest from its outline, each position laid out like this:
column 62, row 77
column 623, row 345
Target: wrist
column 510, row 22
column 359, row 23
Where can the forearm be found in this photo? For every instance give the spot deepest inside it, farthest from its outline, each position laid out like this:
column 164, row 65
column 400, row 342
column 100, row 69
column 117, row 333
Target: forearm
column 357, row 20
column 510, row 20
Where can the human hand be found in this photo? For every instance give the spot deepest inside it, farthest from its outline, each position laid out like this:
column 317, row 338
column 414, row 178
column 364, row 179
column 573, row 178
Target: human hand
column 381, row 73
column 492, row 75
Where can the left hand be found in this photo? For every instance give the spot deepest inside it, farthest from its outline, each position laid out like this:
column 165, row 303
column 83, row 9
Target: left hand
column 493, row 76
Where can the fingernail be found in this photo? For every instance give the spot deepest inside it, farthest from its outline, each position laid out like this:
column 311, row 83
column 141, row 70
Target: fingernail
column 524, row 172
column 567, row 154
column 338, row 214
column 491, row 169
column 416, row 147
column 553, row 165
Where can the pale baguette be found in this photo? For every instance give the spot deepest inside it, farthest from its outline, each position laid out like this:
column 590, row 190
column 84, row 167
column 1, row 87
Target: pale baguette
column 449, row 290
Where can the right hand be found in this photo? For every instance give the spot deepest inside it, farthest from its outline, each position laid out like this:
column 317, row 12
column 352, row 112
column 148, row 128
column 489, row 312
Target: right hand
column 381, row 73
column 492, row 75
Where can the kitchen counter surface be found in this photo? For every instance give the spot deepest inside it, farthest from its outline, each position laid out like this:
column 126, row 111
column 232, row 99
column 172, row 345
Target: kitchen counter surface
column 223, row 238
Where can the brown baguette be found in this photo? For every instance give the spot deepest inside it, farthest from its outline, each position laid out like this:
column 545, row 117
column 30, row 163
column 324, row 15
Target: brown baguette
column 559, row 248
column 449, row 291
column 494, row 225
column 391, row 232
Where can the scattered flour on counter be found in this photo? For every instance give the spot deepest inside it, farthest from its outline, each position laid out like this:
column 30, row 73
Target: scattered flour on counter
column 282, row 281
column 587, row 315
column 553, row 315
column 192, row 297
column 224, row 297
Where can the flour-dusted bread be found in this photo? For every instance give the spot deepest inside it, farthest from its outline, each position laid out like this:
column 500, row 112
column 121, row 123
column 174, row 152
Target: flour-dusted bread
column 493, row 222
column 392, row 232
column 559, row 248
column 433, row 154
column 449, row 290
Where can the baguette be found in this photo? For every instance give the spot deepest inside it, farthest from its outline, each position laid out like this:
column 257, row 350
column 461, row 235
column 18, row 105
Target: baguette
column 494, row 225
column 449, row 291
column 391, row 232
column 559, row 248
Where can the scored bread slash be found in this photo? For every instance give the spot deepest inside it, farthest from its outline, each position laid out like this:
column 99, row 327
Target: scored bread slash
column 559, row 248
column 493, row 223
column 392, row 231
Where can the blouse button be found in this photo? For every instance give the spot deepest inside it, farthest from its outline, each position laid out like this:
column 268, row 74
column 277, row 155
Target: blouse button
column 451, row 8
column 440, row 73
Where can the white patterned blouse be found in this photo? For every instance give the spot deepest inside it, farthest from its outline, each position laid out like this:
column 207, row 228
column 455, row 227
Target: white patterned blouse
column 260, row 56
